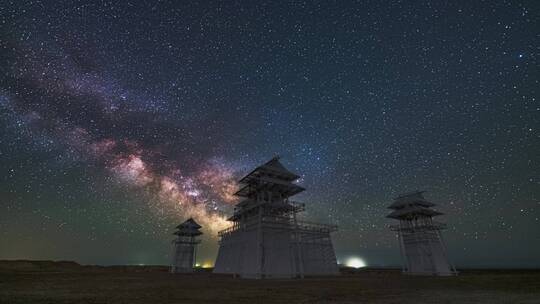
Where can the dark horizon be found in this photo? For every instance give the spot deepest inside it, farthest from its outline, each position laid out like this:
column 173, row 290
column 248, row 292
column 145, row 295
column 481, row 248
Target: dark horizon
column 121, row 120
column 342, row 266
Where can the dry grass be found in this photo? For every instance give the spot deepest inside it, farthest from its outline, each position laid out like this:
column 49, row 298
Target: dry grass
column 74, row 284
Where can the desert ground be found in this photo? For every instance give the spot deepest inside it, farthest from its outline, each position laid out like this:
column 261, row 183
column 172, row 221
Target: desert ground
column 67, row 282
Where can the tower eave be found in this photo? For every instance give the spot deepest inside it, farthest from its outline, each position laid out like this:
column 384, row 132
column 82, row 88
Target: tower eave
column 189, row 223
column 274, row 167
column 188, row 233
column 404, row 214
column 286, row 190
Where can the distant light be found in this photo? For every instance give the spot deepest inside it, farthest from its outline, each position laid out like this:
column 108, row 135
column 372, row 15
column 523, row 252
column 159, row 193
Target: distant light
column 207, row 265
column 355, row 262
column 520, row 55
column 197, row 265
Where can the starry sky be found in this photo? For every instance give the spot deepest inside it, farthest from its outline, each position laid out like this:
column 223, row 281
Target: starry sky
column 120, row 119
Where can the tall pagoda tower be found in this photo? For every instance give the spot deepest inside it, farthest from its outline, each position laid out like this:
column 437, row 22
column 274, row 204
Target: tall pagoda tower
column 185, row 246
column 422, row 248
column 266, row 240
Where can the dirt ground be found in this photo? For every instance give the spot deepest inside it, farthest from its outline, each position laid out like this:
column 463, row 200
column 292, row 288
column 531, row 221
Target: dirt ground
column 76, row 284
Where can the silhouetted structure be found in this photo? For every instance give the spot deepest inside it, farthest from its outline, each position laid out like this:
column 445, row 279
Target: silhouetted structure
column 185, row 246
column 422, row 248
column 266, row 239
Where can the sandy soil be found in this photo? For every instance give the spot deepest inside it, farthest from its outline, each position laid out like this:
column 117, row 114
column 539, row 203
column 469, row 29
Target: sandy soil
column 71, row 283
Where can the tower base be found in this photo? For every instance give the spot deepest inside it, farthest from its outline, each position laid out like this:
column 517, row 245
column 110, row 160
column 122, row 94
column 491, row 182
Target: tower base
column 281, row 253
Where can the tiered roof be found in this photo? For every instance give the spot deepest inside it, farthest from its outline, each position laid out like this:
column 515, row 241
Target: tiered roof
column 271, row 176
column 188, row 228
column 411, row 204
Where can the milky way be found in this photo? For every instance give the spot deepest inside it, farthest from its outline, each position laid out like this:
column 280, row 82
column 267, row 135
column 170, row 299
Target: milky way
column 122, row 118
column 69, row 96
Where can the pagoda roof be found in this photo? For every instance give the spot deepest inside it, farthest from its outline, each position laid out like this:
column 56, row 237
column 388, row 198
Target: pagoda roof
column 189, row 223
column 272, row 168
column 408, row 211
column 187, row 232
column 286, row 189
column 188, row 228
column 411, row 198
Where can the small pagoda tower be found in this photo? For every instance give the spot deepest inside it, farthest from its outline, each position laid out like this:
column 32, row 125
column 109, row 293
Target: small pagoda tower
column 422, row 248
column 266, row 240
column 185, row 246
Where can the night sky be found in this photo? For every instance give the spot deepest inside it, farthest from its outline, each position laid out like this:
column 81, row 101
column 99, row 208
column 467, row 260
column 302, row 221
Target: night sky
column 121, row 119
